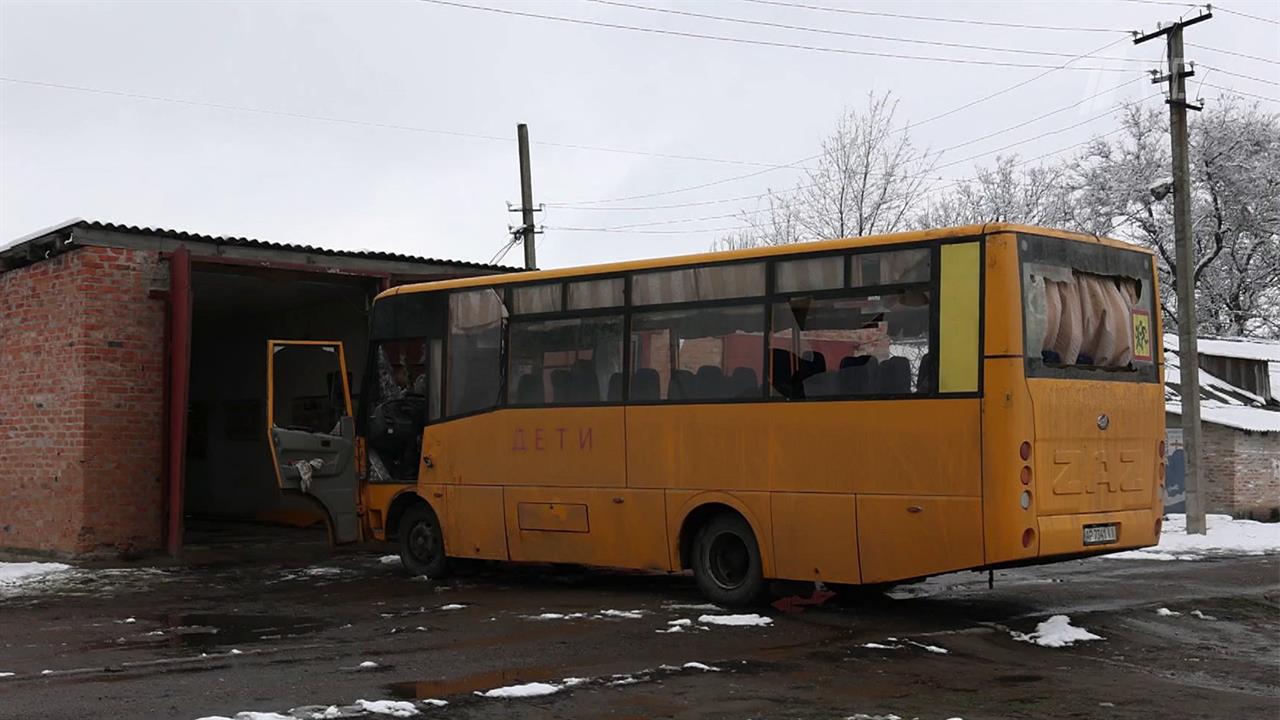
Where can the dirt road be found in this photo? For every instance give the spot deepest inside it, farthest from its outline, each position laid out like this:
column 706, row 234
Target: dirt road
column 189, row 642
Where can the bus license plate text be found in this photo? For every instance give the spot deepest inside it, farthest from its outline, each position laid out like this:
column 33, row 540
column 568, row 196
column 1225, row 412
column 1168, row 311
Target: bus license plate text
column 1100, row 534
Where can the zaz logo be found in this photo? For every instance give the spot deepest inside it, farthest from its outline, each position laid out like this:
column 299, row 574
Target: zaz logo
column 1077, row 471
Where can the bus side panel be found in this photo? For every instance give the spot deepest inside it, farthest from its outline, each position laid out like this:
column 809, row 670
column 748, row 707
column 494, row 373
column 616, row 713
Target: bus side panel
column 904, row 536
column 473, row 526
column 926, row 447
column 610, row 527
column 569, row 446
column 799, row 520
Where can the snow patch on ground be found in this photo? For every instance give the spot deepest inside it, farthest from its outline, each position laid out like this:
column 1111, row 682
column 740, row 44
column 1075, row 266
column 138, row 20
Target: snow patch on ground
column 1202, row 616
column 394, row 708
column 250, row 715
column 1056, row 632
column 1166, row 612
column 747, row 620
column 627, row 614
column 534, row 689
column 7, row 674
column 693, row 606
column 878, row 646
column 452, row 606
column 13, row 574
column 1226, row 536
column 700, row 666
column 389, row 559
column 367, row 665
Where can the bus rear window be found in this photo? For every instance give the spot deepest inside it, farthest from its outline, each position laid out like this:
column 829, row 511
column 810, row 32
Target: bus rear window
column 1087, row 310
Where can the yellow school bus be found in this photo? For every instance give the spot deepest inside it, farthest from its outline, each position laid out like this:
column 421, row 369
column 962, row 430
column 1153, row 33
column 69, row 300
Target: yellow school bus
column 857, row 411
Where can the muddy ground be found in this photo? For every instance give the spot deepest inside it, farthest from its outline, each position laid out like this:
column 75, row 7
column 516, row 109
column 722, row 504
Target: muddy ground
column 229, row 632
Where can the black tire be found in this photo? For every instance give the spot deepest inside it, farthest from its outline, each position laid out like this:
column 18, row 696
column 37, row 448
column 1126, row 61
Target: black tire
column 422, row 542
column 726, row 562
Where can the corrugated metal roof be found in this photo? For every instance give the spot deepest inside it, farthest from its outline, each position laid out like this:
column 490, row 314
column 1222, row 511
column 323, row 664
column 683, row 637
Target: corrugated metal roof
column 219, row 240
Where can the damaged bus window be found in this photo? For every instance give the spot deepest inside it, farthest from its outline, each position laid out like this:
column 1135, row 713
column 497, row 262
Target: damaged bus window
column 1087, row 309
column 398, row 408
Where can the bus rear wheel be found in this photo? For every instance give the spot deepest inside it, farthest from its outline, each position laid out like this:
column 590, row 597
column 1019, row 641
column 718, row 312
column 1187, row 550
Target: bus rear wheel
column 726, row 561
column 422, row 542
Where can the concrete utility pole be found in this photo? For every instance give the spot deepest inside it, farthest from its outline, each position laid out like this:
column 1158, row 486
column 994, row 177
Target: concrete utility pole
column 526, row 198
column 1185, row 252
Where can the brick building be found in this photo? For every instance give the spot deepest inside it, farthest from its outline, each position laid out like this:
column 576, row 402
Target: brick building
column 89, row 313
column 1240, row 427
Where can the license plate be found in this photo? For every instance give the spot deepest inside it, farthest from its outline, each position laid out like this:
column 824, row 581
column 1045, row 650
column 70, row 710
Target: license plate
column 1101, row 534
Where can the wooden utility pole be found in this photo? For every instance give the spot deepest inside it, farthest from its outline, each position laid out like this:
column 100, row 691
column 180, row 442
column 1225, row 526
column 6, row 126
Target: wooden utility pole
column 1185, row 254
column 526, row 197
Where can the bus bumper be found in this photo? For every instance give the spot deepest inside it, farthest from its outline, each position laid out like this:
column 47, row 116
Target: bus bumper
column 1065, row 534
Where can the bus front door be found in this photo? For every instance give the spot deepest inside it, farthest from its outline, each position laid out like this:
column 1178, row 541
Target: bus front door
column 311, row 430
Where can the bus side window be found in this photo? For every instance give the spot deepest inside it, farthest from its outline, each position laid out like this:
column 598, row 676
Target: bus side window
column 564, row 360
column 700, row 353
column 476, row 321
column 856, row 342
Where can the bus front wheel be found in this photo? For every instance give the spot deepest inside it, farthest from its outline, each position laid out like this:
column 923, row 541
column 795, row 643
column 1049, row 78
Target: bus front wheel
column 422, row 542
column 726, row 561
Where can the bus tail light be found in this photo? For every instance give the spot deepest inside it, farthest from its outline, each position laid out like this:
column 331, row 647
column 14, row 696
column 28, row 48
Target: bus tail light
column 1028, row 536
column 1025, row 475
column 1025, row 500
column 1024, row 451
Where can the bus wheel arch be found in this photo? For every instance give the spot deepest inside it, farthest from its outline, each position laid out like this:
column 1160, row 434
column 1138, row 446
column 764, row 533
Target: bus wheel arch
column 724, row 550
column 701, row 509
column 400, row 504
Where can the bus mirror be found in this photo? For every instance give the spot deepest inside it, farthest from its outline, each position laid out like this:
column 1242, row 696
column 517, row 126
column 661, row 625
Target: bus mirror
column 347, row 428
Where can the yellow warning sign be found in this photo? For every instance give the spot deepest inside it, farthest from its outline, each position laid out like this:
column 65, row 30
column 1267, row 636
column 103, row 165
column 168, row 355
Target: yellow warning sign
column 1141, row 335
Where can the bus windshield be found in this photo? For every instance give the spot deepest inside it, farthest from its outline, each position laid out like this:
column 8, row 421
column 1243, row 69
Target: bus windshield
column 1087, row 308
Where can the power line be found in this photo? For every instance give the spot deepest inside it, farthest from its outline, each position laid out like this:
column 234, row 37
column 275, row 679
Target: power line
column 635, row 227
column 843, row 33
column 746, row 41
column 962, row 21
column 1274, row 61
column 905, row 128
column 1233, row 91
column 1240, row 75
column 583, row 206
column 1229, row 11
column 377, row 124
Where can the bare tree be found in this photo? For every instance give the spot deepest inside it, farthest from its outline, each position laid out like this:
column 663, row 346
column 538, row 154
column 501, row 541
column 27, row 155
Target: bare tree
column 869, row 179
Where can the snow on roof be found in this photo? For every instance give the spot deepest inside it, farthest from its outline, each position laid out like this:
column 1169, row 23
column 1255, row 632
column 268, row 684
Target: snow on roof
column 1221, row 403
column 1244, row 348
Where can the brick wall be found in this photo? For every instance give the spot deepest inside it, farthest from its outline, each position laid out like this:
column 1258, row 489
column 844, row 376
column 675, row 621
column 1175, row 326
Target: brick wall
column 81, row 415
column 1241, row 471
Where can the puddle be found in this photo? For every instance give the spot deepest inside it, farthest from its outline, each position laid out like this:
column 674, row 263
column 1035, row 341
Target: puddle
column 205, row 631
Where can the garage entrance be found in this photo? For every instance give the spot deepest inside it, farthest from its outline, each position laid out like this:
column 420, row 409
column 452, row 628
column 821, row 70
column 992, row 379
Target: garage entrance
column 231, row 494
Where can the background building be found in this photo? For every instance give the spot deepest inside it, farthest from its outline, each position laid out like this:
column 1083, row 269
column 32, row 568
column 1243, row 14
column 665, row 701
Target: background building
column 95, row 454
column 1240, row 424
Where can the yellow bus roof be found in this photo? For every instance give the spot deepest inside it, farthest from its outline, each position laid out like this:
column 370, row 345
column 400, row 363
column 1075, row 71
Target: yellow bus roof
column 757, row 252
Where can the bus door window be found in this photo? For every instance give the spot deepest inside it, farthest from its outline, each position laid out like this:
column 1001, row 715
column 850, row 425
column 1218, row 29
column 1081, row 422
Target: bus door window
column 852, row 343
column 398, row 409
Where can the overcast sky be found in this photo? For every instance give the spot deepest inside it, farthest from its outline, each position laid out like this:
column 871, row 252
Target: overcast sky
column 431, row 67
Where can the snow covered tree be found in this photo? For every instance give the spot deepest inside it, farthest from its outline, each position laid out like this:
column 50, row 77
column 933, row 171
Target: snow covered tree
column 1004, row 192
column 868, row 179
column 1235, row 169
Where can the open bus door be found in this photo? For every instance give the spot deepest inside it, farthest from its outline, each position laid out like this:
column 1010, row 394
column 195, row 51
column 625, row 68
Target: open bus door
column 311, row 429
